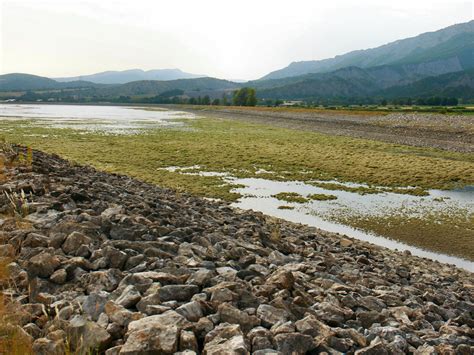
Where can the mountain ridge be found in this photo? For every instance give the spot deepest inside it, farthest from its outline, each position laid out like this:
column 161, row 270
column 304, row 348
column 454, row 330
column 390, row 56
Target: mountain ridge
column 389, row 53
column 130, row 75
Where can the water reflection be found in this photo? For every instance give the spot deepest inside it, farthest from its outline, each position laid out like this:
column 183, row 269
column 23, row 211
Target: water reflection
column 106, row 119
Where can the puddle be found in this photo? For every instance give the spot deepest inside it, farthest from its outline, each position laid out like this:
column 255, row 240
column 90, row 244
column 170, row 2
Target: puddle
column 107, row 119
column 257, row 194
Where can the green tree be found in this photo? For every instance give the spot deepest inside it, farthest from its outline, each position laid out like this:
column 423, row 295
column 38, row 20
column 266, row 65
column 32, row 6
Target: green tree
column 206, row 100
column 251, row 97
column 244, row 97
column 216, row 102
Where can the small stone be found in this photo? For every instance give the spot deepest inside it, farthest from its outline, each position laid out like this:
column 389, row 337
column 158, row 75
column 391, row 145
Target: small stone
column 94, row 304
column 85, row 335
column 374, row 349
column 74, row 241
column 270, row 315
column 345, row 243
column 294, row 343
column 59, row 276
column 192, row 311
column 232, row 315
column 188, row 341
column 225, row 339
column 129, row 297
column 180, row 293
column 43, row 264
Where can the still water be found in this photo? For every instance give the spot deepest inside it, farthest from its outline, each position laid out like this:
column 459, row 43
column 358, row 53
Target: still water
column 106, row 119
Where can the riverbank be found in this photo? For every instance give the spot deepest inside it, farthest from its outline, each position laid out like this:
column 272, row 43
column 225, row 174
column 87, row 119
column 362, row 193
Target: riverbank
column 103, row 261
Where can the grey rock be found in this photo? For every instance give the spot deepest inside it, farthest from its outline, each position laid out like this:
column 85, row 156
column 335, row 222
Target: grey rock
column 59, row 276
column 232, row 315
column 129, row 297
column 270, row 315
column 43, row 264
column 192, row 311
column 225, row 339
column 94, row 305
column 179, row 293
column 74, row 241
column 85, row 335
column 294, row 343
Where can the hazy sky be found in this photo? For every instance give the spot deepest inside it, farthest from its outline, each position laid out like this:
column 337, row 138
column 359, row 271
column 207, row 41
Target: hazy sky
column 238, row 39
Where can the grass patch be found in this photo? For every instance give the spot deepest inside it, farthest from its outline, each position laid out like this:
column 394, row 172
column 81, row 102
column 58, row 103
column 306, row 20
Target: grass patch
column 448, row 232
column 365, row 190
column 242, row 149
column 322, row 197
column 290, row 197
column 285, row 207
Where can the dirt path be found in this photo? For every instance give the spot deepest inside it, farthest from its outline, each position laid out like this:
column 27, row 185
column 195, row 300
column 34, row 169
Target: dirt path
column 447, row 132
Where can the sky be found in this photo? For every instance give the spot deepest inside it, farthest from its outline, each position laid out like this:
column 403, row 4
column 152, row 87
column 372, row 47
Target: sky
column 239, row 39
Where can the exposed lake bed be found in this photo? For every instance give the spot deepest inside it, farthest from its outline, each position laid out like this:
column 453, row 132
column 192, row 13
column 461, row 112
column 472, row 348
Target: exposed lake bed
column 364, row 189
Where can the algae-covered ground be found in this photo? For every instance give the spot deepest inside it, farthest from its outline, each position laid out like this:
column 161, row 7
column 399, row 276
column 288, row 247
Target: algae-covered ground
column 445, row 232
column 256, row 150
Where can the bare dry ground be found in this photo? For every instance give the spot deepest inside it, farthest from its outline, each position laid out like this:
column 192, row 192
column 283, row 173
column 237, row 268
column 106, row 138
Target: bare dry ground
column 447, row 132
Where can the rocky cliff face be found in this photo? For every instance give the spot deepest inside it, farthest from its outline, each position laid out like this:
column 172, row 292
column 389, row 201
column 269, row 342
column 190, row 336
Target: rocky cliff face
column 105, row 263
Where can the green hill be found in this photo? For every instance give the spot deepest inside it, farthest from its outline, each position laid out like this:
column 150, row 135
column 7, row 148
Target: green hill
column 20, row 81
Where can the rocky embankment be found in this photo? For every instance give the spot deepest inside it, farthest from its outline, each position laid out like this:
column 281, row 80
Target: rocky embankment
column 106, row 263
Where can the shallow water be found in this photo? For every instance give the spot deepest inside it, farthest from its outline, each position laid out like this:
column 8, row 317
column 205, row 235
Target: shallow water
column 106, row 119
column 257, row 195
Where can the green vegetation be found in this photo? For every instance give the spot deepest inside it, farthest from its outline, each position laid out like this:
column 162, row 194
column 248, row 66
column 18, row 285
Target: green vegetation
column 322, row 197
column 285, row 207
column 364, row 190
column 290, row 197
column 244, row 97
column 446, row 232
column 244, row 148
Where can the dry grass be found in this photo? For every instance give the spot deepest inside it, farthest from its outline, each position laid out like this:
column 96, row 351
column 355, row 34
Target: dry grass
column 13, row 340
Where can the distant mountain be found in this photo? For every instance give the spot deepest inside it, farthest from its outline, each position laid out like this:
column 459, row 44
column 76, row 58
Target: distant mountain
column 354, row 82
column 126, row 76
column 452, row 48
column 20, row 81
column 459, row 85
column 153, row 87
column 347, row 82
